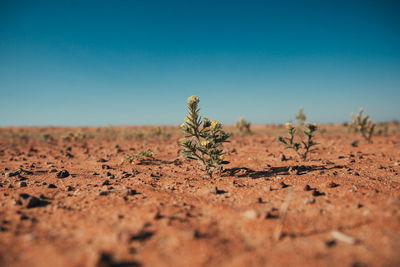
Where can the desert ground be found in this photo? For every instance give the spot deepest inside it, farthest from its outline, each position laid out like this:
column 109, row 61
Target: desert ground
column 76, row 197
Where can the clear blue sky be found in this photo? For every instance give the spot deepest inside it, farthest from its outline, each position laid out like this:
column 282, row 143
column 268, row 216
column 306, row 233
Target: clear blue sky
column 136, row 62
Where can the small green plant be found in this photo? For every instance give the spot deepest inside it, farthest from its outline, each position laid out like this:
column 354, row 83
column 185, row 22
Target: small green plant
column 243, row 126
column 300, row 117
column 160, row 133
column 46, row 138
column 363, row 125
column 303, row 145
column 140, row 157
column 77, row 136
column 203, row 139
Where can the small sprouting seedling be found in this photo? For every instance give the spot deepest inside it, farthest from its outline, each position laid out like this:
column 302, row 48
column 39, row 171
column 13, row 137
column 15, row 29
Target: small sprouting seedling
column 300, row 117
column 203, row 139
column 304, row 146
column 140, row 157
column 243, row 126
column 363, row 125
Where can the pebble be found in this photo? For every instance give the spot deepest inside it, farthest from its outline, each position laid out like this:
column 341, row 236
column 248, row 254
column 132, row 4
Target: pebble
column 330, row 243
column 309, row 201
column 31, row 201
column 317, row 193
column 62, row 174
column 283, row 185
column 250, row 214
column 307, row 188
column 22, row 184
column 11, row 174
column 332, row 185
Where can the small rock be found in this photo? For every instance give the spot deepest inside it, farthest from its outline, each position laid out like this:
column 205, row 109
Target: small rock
column 330, row 243
column 52, row 186
column 271, row 215
column 317, row 193
column 332, row 185
column 307, row 188
column 132, row 192
column 283, row 185
column 309, row 201
column 11, row 174
column 62, row 174
column 220, row 192
column 250, row 214
column 31, row 201
column 24, row 217
column 103, row 193
column 53, row 170
column 22, row 184
column 343, row 237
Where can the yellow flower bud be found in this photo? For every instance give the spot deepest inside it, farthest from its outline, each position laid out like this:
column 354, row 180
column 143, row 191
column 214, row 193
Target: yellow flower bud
column 214, row 123
column 192, row 98
column 288, row 125
column 205, row 119
column 205, row 143
column 222, row 157
column 186, row 118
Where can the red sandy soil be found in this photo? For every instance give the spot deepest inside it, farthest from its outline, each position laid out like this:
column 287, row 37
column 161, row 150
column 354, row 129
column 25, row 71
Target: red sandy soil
column 341, row 207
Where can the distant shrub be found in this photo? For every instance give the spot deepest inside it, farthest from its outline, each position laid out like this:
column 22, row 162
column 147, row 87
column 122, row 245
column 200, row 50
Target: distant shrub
column 46, row 138
column 160, row 133
column 300, row 117
column 363, row 125
column 243, row 126
column 77, row 136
